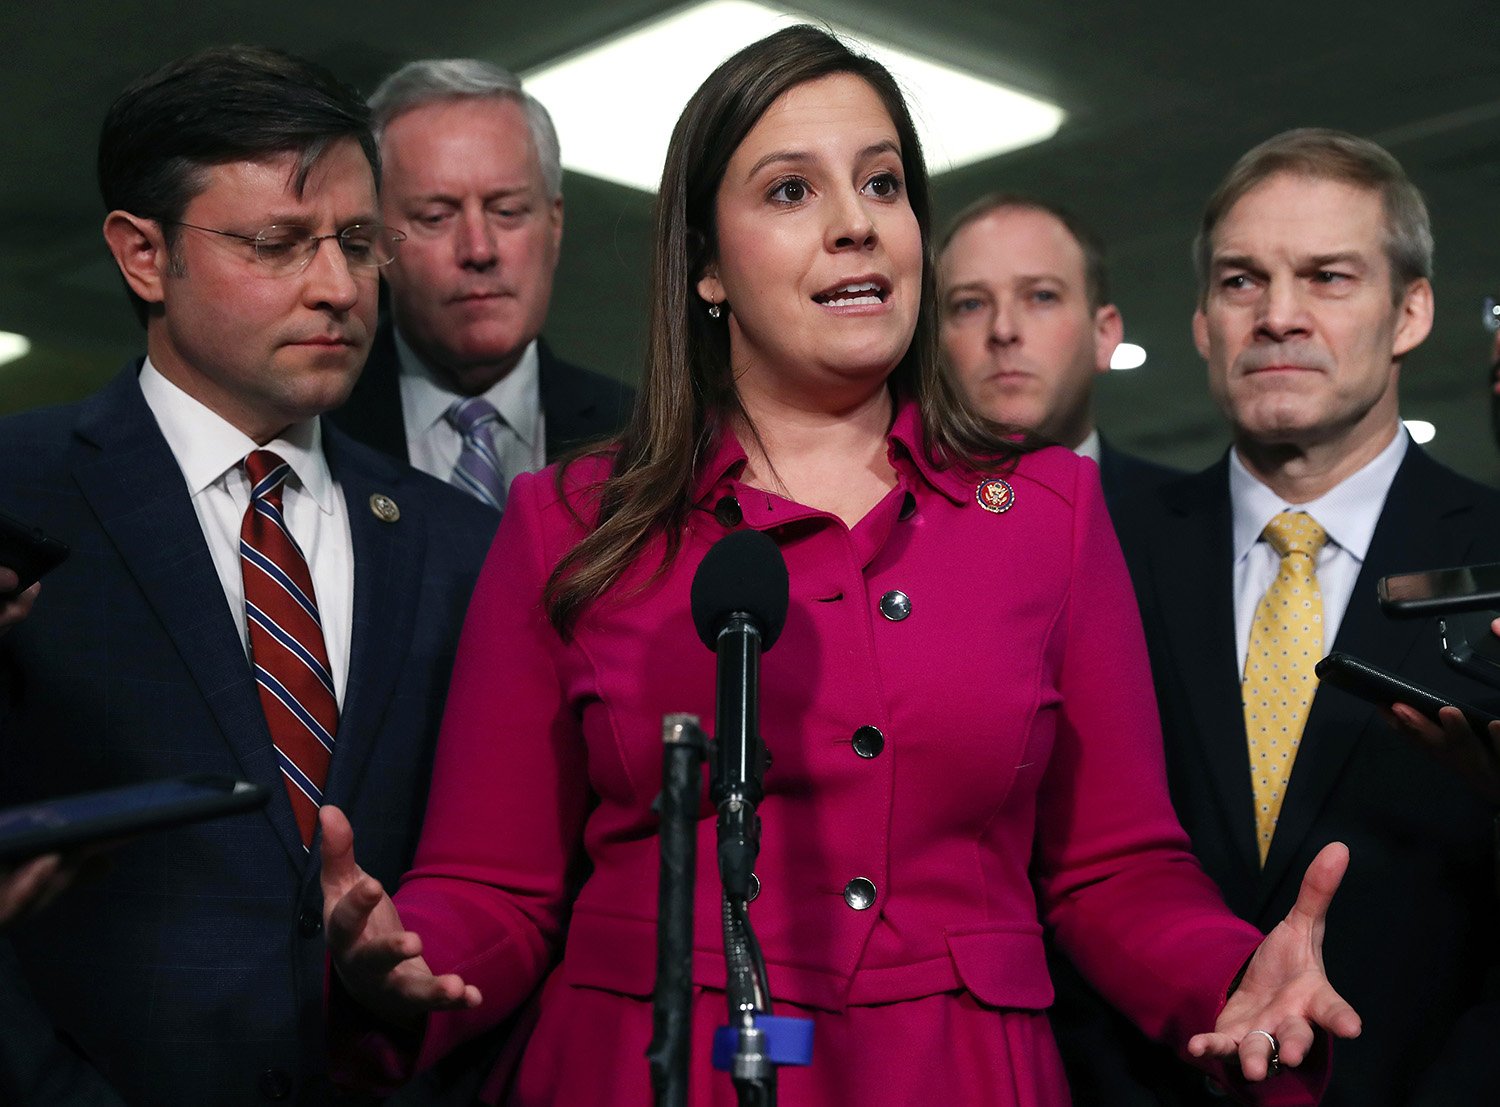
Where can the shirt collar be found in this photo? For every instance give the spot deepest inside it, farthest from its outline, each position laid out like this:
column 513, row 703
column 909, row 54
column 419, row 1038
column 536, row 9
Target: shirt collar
column 1089, row 447
column 727, row 457
column 517, row 396
column 207, row 446
column 1349, row 511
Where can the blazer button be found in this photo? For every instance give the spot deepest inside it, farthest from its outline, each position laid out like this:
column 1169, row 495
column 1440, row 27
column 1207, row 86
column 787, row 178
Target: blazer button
column 859, row 893
column 754, row 887
column 895, row 606
column 728, row 512
column 275, row 1084
column 309, row 924
column 868, row 741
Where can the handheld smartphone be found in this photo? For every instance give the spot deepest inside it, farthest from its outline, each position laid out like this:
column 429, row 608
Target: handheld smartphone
column 1471, row 647
column 98, row 817
column 27, row 550
column 1441, row 591
column 1364, row 680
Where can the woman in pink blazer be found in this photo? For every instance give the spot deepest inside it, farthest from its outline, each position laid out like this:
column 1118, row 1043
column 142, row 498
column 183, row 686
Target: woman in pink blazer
column 959, row 709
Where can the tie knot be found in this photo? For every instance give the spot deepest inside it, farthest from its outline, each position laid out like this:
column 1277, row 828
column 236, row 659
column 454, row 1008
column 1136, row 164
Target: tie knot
column 1295, row 532
column 266, row 471
column 465, row 416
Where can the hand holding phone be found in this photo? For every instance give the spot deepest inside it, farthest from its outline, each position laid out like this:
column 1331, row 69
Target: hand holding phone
column 1384, row 689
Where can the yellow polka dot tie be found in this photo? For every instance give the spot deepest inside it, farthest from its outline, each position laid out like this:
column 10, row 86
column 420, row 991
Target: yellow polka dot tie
column 1286, row 641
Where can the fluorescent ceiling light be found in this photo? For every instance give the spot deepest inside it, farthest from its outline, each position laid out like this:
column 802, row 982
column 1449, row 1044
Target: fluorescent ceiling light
column 615, row 104
column 13, row 347
column 1421, row 430
column 1128, row 355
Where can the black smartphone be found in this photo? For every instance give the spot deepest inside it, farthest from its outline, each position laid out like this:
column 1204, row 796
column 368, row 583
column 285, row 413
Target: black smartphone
column 1471, row 647
column 98, row 817
column 1364, row 680
column 1441, row 591
column 27, row 550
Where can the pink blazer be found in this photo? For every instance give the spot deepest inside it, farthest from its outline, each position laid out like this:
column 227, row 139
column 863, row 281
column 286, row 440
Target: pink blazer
column 1018, row 738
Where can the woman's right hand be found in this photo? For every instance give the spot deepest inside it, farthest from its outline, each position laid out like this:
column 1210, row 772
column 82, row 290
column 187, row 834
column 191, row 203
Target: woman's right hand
column 378, row 960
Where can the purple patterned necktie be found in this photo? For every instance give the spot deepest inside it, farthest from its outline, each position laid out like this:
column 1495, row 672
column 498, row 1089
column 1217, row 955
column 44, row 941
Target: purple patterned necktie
column 478, row 470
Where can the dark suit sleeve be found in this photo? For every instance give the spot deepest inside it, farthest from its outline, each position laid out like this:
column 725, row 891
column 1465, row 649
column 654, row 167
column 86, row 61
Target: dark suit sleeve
column 37, row 1067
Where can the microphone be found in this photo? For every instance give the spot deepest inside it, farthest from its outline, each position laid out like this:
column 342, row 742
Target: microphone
column 739, row 603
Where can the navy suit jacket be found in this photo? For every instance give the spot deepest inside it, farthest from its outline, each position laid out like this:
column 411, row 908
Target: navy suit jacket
column 1124, row 475
column 578, row 405
column 192, row 972
column 1413, row 930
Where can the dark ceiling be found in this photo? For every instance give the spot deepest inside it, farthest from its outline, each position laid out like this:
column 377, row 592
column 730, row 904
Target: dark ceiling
column 1161, row 96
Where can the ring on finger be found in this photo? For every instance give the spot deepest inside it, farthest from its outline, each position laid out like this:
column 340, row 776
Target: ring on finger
column 1273, row 1062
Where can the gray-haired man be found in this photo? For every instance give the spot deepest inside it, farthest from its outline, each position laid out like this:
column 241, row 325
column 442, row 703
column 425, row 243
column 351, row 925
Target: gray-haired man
column 472, row 177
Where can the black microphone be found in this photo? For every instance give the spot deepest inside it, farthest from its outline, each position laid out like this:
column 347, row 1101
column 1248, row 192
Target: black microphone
column 739, row 601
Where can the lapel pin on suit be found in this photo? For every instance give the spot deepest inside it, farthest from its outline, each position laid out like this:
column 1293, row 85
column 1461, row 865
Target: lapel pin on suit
column 995, row 495
column 384, row 508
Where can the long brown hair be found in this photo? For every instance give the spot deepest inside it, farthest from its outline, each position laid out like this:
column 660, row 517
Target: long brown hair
column 687, row 396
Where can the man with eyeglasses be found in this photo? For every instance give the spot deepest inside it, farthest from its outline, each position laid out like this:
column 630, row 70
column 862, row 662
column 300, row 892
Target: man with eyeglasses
column 459, row 381
column 250, row 593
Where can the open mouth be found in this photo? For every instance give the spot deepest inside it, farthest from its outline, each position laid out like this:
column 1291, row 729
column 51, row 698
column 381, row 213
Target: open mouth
column 863, row 293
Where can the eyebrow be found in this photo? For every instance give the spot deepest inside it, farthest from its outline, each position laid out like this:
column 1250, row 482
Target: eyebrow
column 797, row 157
column 1316, row 261
column 300, row 219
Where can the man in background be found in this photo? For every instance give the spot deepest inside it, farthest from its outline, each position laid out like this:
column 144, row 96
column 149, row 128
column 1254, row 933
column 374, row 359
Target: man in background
column 249, row 594
column 459, row 381
column 1028, row 327
column 1314, row 261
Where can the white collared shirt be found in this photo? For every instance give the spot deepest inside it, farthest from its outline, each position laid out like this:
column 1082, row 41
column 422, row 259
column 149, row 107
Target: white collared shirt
column 1089, row 447
column 434, row 446
column 209, row 451
column 1349, row 513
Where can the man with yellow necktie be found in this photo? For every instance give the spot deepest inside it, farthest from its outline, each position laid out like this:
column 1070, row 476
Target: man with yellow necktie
column 1314, row 261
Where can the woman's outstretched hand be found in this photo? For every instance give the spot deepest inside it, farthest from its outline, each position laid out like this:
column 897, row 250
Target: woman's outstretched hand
column 1285, row 992
column 378, row 960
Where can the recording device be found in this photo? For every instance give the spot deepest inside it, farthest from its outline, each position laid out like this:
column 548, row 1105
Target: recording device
column 1379, row 687
column 1441, row 591
column 27, row 550
column 93, row 818
column 739, row 603
column 1471, row 647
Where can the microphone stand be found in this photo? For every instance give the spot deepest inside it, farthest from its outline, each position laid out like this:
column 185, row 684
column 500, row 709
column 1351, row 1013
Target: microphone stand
column 685, row 749
column 737, row 791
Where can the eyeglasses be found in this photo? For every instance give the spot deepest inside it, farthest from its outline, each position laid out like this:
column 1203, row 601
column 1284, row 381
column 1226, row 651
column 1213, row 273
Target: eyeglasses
column 287, row 249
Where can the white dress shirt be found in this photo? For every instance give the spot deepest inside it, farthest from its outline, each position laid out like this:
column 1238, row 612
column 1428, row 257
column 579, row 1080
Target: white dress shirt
column 434, row 446
column 209, row 451
column 1348, row 512
column 1089, row 447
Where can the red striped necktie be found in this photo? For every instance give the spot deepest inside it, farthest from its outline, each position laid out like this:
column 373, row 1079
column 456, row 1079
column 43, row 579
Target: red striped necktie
column 286, row 642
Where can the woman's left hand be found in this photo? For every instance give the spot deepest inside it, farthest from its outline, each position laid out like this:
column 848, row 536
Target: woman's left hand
column 1285, row 992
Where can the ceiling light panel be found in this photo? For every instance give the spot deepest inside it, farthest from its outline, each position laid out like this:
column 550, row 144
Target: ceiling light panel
column 615, row 103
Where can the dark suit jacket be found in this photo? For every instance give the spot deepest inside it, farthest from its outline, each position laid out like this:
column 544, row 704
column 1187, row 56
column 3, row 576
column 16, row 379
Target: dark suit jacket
column 1414, row 927
column 1124, row 475
column 193, row 971
column 577, row 404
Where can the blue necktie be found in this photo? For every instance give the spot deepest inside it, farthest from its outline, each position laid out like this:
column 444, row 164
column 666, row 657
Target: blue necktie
column 478, row 471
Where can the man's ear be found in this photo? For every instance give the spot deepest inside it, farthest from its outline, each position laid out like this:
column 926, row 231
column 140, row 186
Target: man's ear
column 1200, row 333
column 1109, row 332
column 1414, row 318
column 140, row 250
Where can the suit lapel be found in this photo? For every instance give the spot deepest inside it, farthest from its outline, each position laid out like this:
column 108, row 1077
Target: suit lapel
column 388, row 565
column 1420, row 528
column 135, row 488
column 1195, row 559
